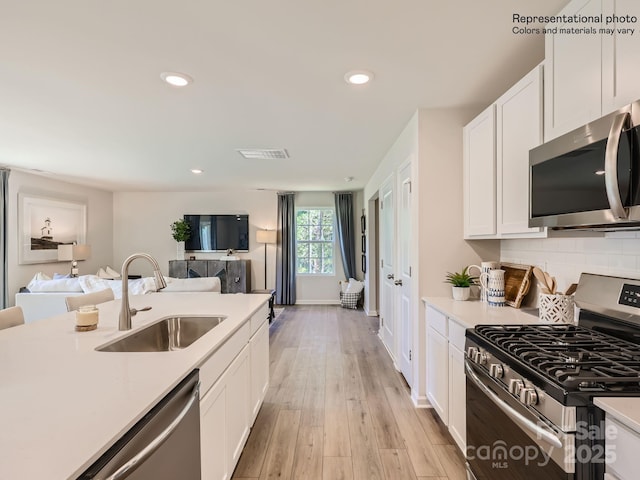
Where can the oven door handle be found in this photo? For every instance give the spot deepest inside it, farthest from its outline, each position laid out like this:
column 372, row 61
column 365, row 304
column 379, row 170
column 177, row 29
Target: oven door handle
column 542, row 432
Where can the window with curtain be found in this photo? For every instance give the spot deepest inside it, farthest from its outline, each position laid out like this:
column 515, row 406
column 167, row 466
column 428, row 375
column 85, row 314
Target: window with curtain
column 315, row 241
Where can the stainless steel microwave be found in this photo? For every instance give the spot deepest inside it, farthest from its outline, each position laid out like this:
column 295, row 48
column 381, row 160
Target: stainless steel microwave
column 588, row 178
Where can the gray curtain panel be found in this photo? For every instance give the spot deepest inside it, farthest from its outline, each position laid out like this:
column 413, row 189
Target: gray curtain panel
column 346, row 232
column 4, row 214
column 286, row 250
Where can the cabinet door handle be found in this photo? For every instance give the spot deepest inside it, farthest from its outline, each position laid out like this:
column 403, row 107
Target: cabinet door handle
column 398, row 282
column 390, row 276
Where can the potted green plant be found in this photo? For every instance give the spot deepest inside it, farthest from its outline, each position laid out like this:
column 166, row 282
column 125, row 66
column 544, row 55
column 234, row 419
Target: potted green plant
column 461, row 283
column 180, row 231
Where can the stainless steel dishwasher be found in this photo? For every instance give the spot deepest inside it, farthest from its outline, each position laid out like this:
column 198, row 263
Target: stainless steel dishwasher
column 164, row 444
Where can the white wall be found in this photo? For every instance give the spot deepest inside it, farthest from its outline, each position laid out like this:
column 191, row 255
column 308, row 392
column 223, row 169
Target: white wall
column 617, row 254
column 142, row 224
column 99, row 226
column 433, row 139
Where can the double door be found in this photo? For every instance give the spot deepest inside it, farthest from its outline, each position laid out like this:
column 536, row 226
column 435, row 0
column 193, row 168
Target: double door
column 396, row 299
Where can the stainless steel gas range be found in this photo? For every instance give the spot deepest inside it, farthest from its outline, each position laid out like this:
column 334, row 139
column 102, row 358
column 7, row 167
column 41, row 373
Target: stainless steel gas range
column 530, row 388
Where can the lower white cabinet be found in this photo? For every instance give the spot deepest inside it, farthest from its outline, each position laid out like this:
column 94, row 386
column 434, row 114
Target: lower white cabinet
column 234, row 382
column 446, row 381
column 621, row 450
column 224, row 420
column 259, row 357
column 438, row 373
column 457, row 386
column 213, row 438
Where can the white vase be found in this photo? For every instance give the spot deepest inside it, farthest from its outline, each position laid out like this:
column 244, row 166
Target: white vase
column 461, row 293
column 179, row 250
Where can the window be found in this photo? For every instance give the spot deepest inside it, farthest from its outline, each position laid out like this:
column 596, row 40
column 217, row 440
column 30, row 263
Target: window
column 314, row 241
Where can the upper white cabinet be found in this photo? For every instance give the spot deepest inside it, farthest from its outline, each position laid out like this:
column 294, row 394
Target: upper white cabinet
column 590, row 75
column 620, row 57
column 496, row 162
column 518, row 130
column 572, row 78
column 479, row 167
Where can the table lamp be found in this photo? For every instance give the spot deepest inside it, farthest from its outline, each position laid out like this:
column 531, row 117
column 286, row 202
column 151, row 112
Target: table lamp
column 72, row 253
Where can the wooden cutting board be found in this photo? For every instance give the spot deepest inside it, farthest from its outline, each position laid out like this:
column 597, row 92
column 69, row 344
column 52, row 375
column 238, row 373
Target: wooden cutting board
column 517, row 281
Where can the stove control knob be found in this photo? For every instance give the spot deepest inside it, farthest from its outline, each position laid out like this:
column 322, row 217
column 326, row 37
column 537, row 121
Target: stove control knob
column 528, row 396
column 471, row 353
column 480, row 358
column 496, row 370
column 515, row 385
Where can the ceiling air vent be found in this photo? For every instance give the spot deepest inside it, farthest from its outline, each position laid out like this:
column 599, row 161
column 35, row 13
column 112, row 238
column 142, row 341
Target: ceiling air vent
column 263, row 153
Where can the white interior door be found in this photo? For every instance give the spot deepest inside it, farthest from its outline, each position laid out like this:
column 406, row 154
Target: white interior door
column 387, row 267
column 403, row 280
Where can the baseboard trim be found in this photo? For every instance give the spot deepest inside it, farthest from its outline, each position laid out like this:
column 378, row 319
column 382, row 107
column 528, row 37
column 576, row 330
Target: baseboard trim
column 370, row 313
column 420, row 401
column 317, row 302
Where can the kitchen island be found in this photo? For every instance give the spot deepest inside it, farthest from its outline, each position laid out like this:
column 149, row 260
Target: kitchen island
column 63, row 404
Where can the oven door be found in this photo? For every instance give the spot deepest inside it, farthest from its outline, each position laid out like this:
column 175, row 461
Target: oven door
column 507, row 441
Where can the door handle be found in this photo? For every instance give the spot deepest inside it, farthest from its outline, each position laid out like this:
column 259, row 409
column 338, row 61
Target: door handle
column 390, row 276
column 611, row 166
column 398, row 282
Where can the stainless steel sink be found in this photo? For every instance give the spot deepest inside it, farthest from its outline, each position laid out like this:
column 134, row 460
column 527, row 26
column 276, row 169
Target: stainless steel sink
column 167, row 334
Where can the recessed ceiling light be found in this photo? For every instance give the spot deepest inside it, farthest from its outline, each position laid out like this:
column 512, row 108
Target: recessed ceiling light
column 358, row 77
column 176, row 79
column 348, row 179
column 196, row 171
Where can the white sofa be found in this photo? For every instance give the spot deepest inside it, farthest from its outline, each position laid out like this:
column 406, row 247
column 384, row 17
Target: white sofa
column 46, row 298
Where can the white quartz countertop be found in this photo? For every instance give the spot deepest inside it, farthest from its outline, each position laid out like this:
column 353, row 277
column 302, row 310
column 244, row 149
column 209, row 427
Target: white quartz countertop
column 62, row 403
column 473, row 312
column 624, row 409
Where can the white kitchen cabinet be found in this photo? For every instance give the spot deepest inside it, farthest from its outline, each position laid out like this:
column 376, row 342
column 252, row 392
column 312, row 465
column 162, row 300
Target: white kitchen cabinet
column 259, row 352
column 457, row 386
column 446, row 380
column 238, row 397
column 518, row 130
column 213, row 438
column 224, row 419
column 572, row 74
column 621, row 449
column 620, row 54
column 234, row 380
column 438, row 363
column 479, row 167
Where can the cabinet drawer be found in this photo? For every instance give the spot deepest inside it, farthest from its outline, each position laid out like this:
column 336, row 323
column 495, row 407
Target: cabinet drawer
column 217, row 363
column 437, row 320
column 456, row 335
column 258, row 318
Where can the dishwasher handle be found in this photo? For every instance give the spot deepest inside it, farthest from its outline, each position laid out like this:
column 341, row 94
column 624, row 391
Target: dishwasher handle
column 152, row 446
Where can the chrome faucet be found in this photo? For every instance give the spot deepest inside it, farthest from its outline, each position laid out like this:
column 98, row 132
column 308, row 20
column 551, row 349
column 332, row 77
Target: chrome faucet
column 126, row 312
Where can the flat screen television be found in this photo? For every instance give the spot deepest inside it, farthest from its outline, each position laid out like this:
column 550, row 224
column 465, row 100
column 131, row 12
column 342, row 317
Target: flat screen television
column 217, row 233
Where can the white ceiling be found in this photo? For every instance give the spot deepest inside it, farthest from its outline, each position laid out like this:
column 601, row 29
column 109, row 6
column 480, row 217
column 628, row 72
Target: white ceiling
column 81, row 95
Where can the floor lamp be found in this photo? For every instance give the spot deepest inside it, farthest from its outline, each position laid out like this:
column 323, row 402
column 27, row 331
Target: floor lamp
column 266, row 236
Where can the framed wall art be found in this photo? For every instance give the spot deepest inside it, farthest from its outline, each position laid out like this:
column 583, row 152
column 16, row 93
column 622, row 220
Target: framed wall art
column 44, row 222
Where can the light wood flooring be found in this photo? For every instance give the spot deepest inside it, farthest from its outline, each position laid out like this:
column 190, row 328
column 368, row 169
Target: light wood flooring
column 336, row 408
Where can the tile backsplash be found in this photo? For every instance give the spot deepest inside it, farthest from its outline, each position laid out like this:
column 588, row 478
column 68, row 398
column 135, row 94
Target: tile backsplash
column 616, row 253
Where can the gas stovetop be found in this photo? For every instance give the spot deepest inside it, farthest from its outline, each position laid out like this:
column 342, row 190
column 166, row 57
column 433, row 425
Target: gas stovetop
column 573, row 357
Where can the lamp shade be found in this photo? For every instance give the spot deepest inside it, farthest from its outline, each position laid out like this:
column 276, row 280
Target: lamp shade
column 266, row 236
column 73, row 252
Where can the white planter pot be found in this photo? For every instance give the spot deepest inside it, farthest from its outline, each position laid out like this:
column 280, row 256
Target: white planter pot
column 461, row 293
column 179, row 250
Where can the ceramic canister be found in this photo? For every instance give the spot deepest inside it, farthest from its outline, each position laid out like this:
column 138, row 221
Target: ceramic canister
column 484, row 267
column 493, row 283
